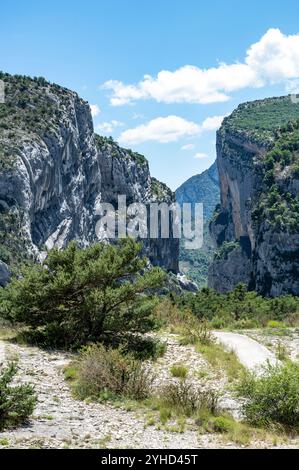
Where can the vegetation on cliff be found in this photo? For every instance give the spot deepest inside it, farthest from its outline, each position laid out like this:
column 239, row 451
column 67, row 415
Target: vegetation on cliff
column 32, row 106
column 277, row 202
column 108, row 143
column 261, row 119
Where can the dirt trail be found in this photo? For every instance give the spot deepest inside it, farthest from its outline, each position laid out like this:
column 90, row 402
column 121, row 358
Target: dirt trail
column 251, row 354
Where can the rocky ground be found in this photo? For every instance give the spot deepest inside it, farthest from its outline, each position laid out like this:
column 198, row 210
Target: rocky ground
column 60, row 421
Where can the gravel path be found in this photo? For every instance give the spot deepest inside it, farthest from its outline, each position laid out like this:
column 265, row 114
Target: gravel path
column 251, row 354
column 61, row 421
column 273, row 339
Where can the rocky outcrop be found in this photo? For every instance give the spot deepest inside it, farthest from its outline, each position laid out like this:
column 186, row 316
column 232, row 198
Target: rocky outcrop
column 127, row 173
column 235, row 266
column 256, row 229
column 186, row 284
column 4, row 274
column 54, row 172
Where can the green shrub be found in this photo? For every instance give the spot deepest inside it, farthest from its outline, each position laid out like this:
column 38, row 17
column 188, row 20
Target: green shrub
column 282, row 352
column 245, row 323
column 84, row 295
column 17, row 402
column 195, row 331
column 108, row 373
column 185, row 399
column 272, row 397
column 219, row 322
column 222, row 424
column 225, row 249
column 239, row 308
column 143, row 347
column 179, row 371
column 275, row 324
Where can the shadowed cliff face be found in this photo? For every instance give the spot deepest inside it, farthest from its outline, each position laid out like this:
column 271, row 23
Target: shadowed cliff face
column 202, row 188
column 256, row 228
column 54, row 171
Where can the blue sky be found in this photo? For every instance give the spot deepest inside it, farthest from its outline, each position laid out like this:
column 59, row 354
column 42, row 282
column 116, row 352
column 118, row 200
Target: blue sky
column 170, row 116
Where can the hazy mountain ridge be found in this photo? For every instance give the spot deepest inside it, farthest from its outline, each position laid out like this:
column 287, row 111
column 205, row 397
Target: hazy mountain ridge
column 202, row 188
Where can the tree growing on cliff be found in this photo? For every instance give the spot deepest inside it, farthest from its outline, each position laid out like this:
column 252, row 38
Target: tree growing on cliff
column 79, row 296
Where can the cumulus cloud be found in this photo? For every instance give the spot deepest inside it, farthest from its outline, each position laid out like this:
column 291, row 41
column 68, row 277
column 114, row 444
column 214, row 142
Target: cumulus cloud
column 109, row 126
column 212, row 123
column 95, row 110
column 161, row 129
column 188, row 147
column 168, row 129
column 200, row 155
column 273, row 59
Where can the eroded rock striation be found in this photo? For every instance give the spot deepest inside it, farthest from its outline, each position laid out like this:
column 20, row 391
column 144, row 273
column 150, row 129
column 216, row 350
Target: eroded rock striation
column 54, row 172
column 256, row 228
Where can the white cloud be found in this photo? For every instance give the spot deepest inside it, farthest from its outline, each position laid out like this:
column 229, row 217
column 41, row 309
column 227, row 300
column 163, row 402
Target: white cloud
column 168, row 129
column 188, row 147
column 200, row 155
column 123, row 94
column 273, row 59
column 95, row 110
column 161, row 129
column 212, row 123
column 136, row 116
column 108, row 127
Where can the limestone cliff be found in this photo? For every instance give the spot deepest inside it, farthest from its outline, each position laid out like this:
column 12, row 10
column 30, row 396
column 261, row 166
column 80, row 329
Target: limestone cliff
column 256, row 228
column 54, row 171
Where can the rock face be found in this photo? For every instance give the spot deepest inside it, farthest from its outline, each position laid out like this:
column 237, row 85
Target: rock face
column 256, row 228
column 54, row 172
column 4, row 274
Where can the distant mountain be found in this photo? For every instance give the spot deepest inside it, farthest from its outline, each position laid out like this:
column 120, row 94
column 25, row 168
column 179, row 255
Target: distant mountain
column 202, row 188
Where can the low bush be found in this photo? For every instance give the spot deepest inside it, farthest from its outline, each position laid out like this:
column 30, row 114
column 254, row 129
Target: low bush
column 17, row 402
column 282, row 352
column 109, row 373
column 195, row 331
column 179, row 371
column 272, row 397
column 275, row 324
column 222, row 424
column 184, row 399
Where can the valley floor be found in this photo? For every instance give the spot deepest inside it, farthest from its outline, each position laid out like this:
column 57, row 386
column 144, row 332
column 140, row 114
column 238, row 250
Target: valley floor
column 60, row 421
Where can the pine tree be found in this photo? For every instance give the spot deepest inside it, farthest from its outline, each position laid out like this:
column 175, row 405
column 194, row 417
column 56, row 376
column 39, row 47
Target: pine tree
column 84, row 295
